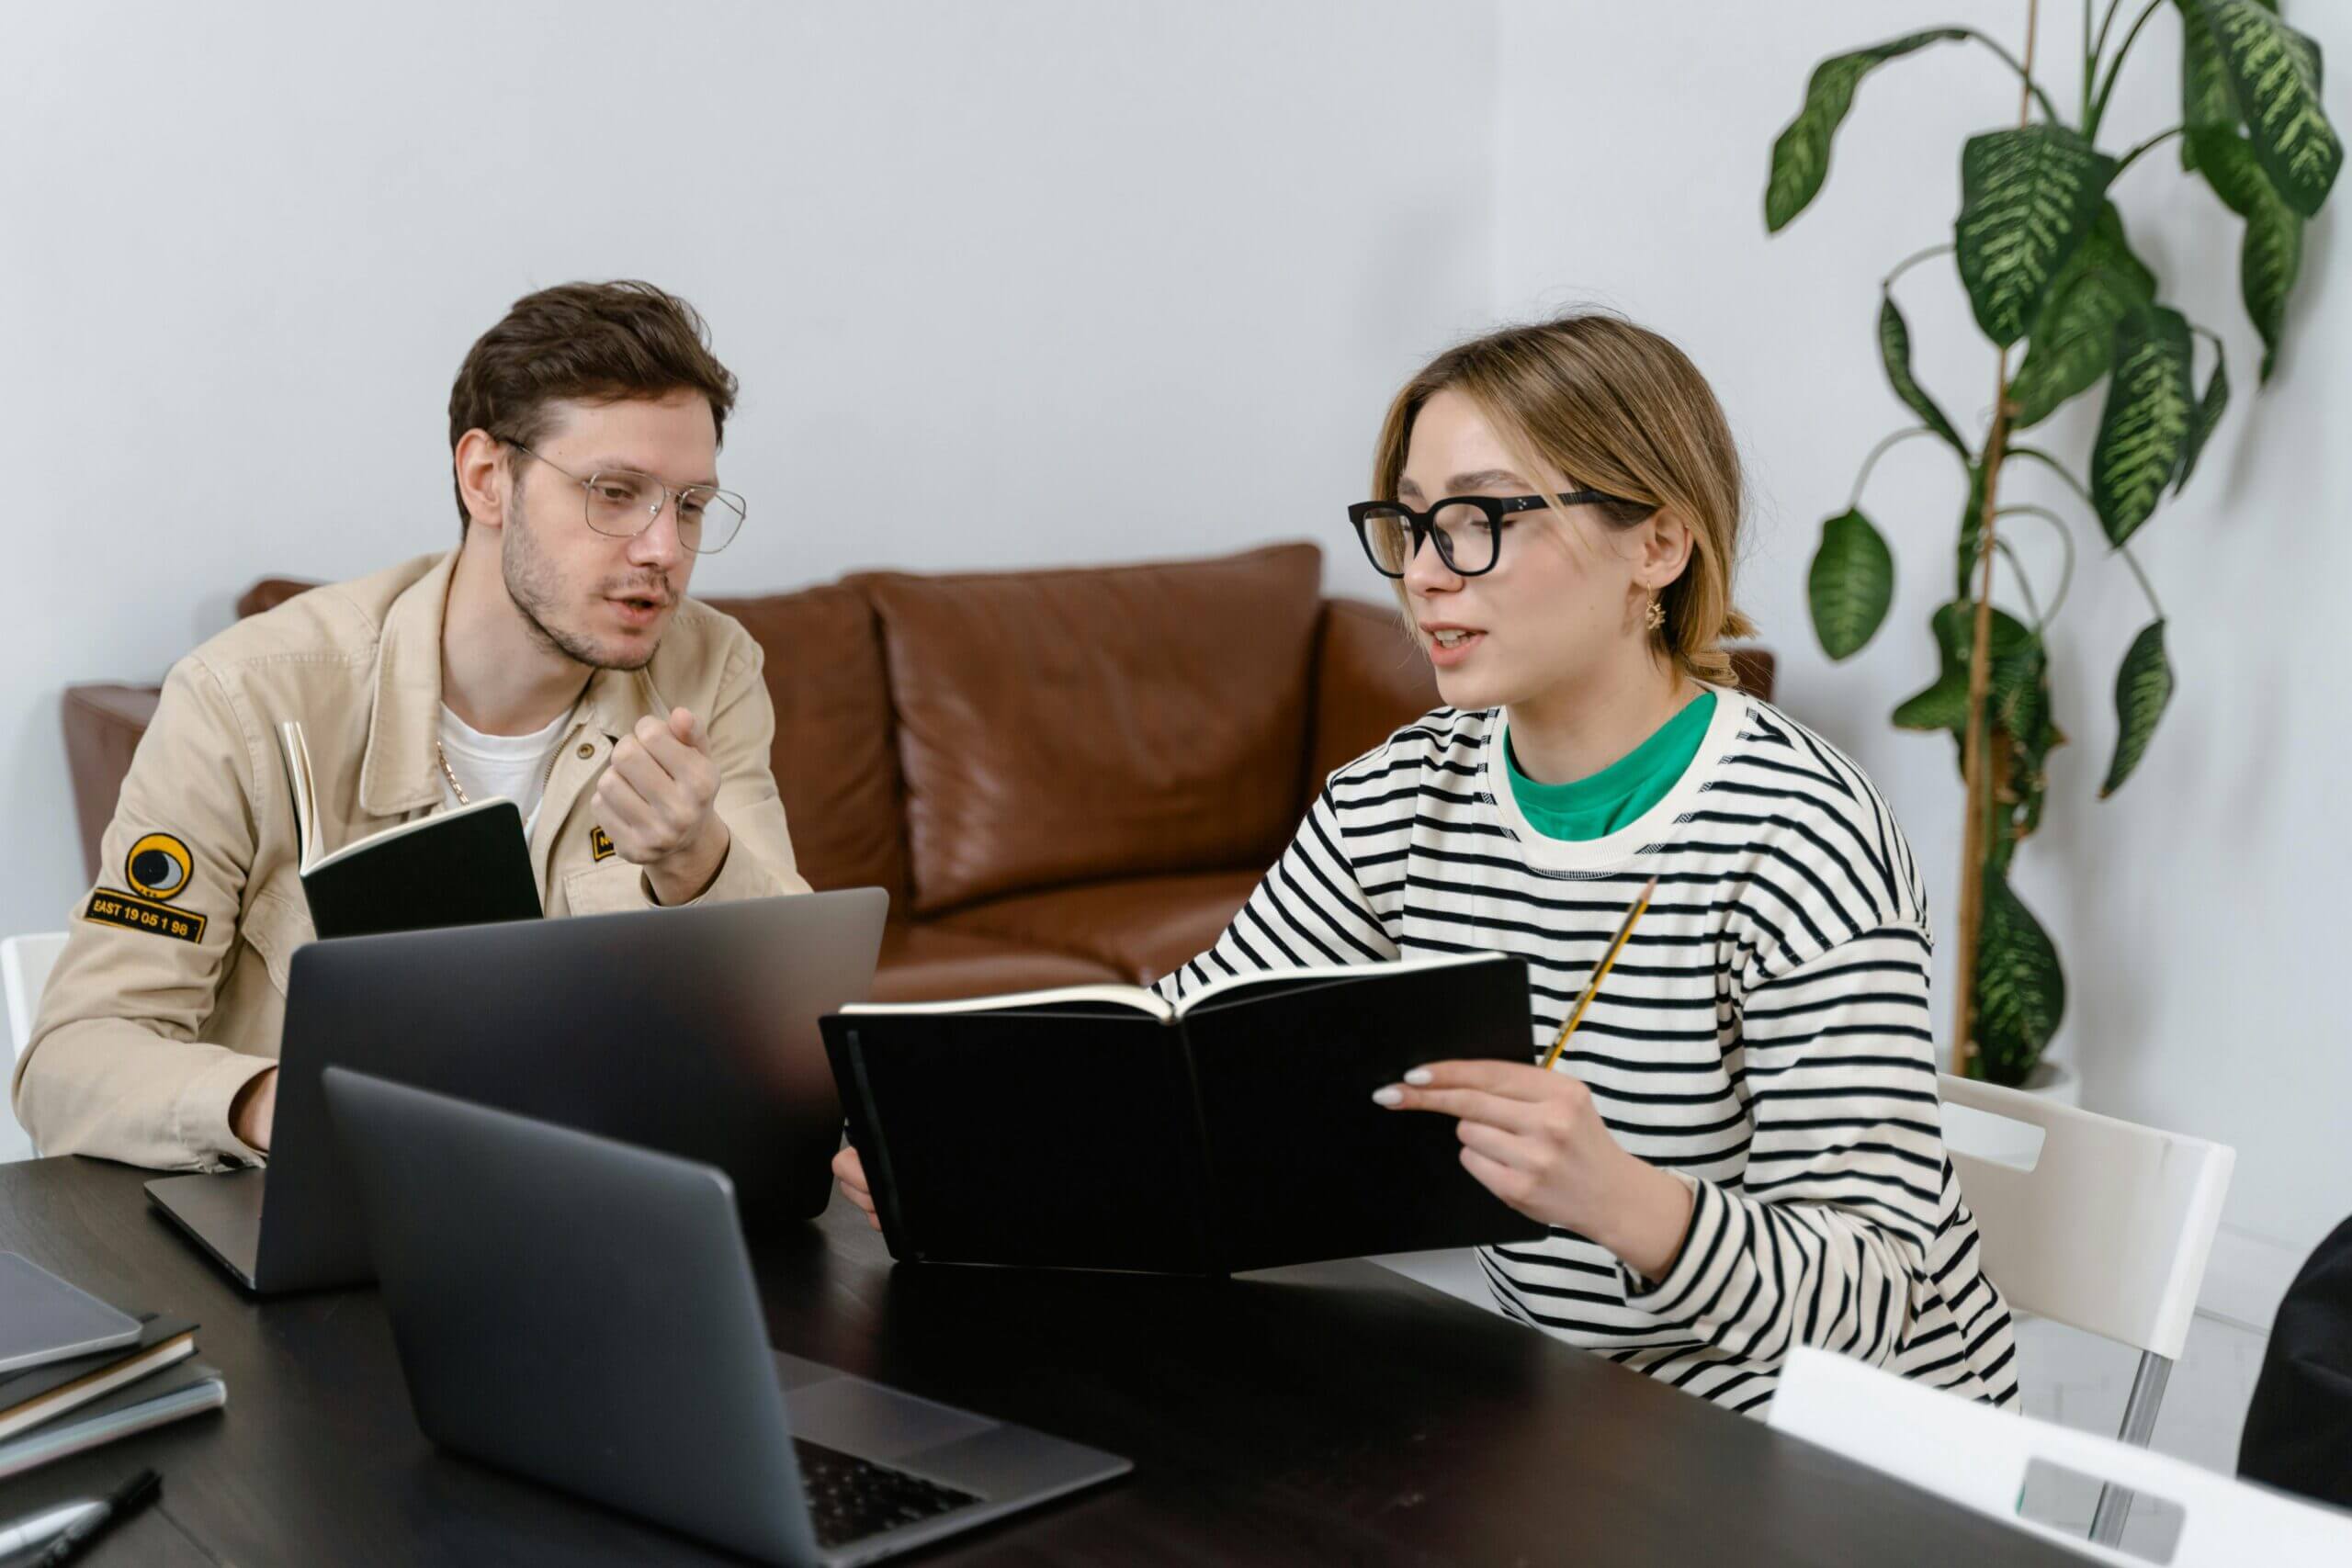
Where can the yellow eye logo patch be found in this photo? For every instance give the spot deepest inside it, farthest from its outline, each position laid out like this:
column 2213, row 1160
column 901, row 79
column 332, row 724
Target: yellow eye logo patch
column 158, row 867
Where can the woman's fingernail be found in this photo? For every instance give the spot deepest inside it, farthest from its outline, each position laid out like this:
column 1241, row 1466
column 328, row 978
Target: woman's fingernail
column 1418, row 1076
column 1392, row 1095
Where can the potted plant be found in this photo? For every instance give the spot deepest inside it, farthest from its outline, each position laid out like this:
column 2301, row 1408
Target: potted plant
column 2043, row 254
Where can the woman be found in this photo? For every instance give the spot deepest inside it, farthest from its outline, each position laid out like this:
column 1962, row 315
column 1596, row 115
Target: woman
column 1740, row 1150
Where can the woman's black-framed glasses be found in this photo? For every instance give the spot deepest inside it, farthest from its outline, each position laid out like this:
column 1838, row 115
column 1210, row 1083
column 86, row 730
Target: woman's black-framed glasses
column 1468, row 529
column 623, row 504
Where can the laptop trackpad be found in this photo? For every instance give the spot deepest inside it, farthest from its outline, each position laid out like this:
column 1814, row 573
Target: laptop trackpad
column 877, row 1423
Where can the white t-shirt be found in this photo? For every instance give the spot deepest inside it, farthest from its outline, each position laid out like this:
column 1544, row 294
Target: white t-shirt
column 514, row 766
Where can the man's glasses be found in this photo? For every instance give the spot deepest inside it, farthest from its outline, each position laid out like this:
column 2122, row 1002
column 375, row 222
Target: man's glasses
column 1468, row 529
column 623, row 503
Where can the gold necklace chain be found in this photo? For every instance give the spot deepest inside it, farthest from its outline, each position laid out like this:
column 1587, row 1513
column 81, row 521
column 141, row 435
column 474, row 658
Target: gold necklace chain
column 449, row 773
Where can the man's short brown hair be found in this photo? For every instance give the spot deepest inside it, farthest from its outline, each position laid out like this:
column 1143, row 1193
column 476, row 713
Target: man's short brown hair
column 589, row 342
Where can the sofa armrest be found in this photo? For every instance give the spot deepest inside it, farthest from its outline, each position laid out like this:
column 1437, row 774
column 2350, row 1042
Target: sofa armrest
column 1752, row 668
column 1369, row 680
column 269, row 592
column 103, row 725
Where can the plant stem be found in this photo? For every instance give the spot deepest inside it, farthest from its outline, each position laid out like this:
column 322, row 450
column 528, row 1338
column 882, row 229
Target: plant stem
column 1976, row 829
column 2055, row 467
column 2091, row 54
column 2065, row 538
column 1887, row 283
column 2158, row 140
column 1881, row 450
column 2025, row 584
column 2145, row 586
column 2115, row 69
column 2025, row 71
column 2090, row 50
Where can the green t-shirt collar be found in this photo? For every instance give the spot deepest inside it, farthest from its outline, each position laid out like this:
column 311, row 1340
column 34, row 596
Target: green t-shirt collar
column 1599, row 803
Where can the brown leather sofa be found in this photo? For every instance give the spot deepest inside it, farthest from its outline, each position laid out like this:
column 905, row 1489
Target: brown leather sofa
column 1059, row 776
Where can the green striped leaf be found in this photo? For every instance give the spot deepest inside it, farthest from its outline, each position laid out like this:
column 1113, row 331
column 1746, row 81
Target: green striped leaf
column 2270, row 254
column 1895, row 352
column 2208, row 415
column 2143, row 430
column 1944, row 705
column 2020, row 988
column 2274, row 74
column 2143, row 688
column 2028, row 198
column 1801, row 154
column 1851, row 584
column 2205, row 97
column 2206, row 100
column 2073, row 339
column 2029, row 719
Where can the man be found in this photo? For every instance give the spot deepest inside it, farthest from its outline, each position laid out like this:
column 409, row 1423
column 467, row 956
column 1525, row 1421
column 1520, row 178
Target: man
column 553, row 658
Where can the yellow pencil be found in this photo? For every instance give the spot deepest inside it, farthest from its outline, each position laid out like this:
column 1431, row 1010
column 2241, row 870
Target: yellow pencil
column 1593, row 984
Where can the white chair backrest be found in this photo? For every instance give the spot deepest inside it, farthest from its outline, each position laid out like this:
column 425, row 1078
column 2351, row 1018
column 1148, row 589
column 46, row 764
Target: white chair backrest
column 1978, row 1457
column 2111, row 1227
column 24, row 963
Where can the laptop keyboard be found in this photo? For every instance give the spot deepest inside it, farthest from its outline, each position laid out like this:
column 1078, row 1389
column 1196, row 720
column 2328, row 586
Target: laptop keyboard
column 850, row 1498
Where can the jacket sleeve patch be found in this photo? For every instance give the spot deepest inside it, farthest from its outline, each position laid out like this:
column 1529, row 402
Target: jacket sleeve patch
column 158, row 867
column 133, row 913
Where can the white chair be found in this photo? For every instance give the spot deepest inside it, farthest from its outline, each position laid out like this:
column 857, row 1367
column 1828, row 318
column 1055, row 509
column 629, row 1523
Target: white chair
column 25, row 964
column 1979, row 1457
column 1454, row 1271
column 2092, row 1221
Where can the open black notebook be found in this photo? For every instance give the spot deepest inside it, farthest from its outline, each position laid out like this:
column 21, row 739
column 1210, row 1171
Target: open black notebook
column 1099, row 1127
column 467, row 867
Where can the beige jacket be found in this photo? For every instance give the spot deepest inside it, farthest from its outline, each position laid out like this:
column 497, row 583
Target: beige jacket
column 171, row 992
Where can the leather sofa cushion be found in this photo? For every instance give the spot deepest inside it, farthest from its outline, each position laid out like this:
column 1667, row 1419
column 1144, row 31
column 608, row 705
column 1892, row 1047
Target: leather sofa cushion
column 927, row 963
column 1141, row 927
column 833, row 759
column 1752, row 670
column 103, row 724
column 1059, row 727
column 1369, row 680
column 270, row 593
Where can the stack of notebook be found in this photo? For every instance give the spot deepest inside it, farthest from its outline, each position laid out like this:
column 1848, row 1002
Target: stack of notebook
column 144, row 1375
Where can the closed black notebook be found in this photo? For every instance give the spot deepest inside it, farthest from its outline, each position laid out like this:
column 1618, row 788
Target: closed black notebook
column 42, row 1393
column 1097, row 1127
column 468, row 866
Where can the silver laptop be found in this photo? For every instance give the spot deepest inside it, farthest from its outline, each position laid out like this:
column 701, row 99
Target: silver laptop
column 692, row 1029
column 583, row 1313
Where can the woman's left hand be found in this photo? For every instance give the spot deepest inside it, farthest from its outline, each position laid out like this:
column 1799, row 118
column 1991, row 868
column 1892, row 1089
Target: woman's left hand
column 1535, row 1140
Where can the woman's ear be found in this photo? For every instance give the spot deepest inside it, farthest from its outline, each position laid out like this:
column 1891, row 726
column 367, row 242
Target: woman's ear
column 479, row 460
column 1665, row 546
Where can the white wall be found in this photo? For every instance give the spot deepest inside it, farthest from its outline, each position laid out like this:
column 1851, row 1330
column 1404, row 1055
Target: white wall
column 2201, row 912
column 1006, row 283
column 1059, row 281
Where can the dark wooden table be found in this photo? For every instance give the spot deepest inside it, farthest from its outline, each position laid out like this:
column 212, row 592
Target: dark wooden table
column 1333, row 1414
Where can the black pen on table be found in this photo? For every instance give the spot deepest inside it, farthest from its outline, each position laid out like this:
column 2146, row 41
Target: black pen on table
column 125, row 1500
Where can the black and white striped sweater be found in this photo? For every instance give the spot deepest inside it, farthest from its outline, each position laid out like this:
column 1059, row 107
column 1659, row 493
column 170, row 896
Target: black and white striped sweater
column 1764, row 1035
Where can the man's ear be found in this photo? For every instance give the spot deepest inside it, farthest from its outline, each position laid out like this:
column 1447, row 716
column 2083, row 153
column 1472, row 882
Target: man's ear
column 1666, row 548
column 481, row 462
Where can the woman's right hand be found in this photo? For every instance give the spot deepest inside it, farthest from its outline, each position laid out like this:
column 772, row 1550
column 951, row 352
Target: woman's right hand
column 850, row 1171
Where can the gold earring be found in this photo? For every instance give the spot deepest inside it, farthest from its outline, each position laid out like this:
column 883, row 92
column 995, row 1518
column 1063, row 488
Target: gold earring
column 1657, row 617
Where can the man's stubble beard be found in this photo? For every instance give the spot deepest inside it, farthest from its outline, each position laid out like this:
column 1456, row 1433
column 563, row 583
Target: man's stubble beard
column 537, row 589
